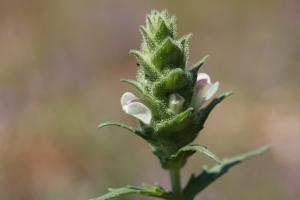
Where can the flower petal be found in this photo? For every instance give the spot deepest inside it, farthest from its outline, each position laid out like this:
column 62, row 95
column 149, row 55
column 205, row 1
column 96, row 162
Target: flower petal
column 210, row 90
column 127, row 97
column 203, row 78
column 139, row 111
column 204, row 94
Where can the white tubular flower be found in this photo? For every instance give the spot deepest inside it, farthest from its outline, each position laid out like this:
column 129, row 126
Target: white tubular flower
column 204, row 90
column 131, row 106
column 176, row 102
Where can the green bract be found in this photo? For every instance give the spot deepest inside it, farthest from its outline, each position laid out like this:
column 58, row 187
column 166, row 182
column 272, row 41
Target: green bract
column 163, row 72
column 171, row 104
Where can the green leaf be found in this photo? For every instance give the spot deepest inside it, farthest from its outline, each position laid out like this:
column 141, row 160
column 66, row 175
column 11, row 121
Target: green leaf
column 204, row 112
column 134, row 83
column 118, row 124
column 146, row 190
column 184, row 152
column 197, row 183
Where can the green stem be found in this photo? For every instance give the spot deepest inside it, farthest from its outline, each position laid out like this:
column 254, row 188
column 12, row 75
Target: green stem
column 175, row 182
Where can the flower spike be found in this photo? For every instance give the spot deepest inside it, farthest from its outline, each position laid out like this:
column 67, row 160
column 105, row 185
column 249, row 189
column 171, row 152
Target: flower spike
column 172, row 108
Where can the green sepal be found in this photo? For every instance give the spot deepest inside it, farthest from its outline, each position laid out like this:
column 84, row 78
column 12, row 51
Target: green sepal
column 175, row 123
column 133, row 83
column 149, row 23
column 144, row 63
column 184, row 41
column 125, row 126
column 148, row 40
column 195, row 68
column 185, row 152
column 145, row 190
column 162, row 31
column 175, row 80
column 172, row 25
column 197, row 183
column 203, row 113
column 156, row 106
column 169, row 55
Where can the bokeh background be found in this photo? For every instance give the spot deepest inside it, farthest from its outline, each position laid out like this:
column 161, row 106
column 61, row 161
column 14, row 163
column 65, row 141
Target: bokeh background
column 60, row 66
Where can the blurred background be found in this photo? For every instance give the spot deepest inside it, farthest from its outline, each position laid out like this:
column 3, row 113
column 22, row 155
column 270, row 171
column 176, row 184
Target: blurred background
column 60, row 66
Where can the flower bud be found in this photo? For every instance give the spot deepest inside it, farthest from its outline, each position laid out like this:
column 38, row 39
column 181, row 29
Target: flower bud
column 176, row 102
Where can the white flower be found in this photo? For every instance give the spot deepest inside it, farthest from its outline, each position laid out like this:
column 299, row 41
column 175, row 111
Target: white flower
column 204, row 90
column 131, row 106
column 176, row 102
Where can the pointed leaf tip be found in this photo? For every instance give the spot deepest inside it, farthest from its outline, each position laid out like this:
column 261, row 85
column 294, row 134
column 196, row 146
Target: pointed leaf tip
column 135, row 53
column 134, row 83
column 198, row 183
column 189, row 150
column 229, row 162
column 185, row 39
column 148, row 40
column 118, row 124
column 196, row 67
column 227, row 94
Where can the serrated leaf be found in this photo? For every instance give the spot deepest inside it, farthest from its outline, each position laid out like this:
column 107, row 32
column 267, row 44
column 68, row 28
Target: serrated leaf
column 197, row 183
column 184, row 152
column 146, row 190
